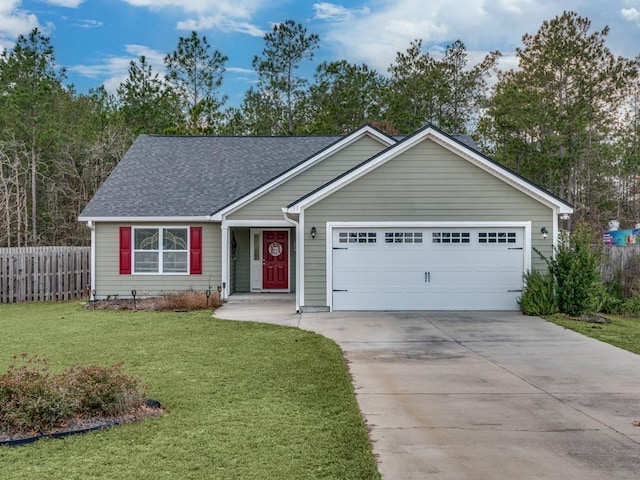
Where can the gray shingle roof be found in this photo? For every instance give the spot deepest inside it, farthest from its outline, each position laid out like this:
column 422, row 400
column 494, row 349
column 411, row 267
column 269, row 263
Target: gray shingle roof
column 166, row 176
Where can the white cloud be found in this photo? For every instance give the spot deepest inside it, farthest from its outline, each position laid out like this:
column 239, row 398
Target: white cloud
column 228, row 8
column 333, row 12
column 220, row 23
column 630, row 14
column 65, row 3
column 375, row 37
column 87, row 23
column 116, row 68
column 14, row 21
column 223, row 15
column 245, row 71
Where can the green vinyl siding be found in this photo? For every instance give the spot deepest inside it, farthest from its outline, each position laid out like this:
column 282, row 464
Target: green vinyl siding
column 241, row 261
column 110, row 282
column 269, row 205
column 425, row 183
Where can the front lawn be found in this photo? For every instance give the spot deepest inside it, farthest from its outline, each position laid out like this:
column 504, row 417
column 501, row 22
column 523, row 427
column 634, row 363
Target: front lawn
column 623, row 332
column 244, row 400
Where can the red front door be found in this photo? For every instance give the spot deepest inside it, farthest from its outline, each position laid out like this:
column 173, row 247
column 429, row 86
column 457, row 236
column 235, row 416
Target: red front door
column 275, row 260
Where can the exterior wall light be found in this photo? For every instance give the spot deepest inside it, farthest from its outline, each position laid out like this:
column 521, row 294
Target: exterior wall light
column 544, row 232
column 313, row 232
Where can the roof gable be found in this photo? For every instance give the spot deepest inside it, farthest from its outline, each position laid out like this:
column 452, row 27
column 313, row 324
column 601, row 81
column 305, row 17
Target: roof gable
column 460, row 148
column 364, row 131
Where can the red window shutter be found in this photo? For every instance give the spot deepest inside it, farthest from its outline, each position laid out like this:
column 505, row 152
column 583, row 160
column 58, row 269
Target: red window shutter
column 195, row 251
column 125, row 250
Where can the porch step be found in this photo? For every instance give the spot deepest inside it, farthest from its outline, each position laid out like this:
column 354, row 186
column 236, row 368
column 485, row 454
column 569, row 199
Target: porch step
column 262, row 297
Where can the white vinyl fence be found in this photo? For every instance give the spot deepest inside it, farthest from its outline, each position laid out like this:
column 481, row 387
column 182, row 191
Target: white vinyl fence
column 43, row 274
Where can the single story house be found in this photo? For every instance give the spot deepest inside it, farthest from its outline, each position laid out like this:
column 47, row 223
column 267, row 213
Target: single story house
column 364, row 221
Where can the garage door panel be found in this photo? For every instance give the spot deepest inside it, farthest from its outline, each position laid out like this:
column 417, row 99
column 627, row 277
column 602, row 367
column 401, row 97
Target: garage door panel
column 427, row 269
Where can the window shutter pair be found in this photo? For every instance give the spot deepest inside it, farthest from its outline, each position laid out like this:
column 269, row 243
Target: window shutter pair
column 195, row 250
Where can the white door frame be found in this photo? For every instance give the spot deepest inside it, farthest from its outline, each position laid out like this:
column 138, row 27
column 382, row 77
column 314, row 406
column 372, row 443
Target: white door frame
column 330, row 226
column 255, row 266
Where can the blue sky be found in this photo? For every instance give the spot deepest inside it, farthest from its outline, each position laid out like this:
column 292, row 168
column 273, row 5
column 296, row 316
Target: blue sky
column 96, row 39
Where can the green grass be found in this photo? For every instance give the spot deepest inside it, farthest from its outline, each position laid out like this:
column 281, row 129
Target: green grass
column 623, row 332
column 244, row 400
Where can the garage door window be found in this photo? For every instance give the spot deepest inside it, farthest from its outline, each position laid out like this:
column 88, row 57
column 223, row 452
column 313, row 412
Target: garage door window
column 451, row 237
column 403, row 237
column 497, row 237
column 357, row 237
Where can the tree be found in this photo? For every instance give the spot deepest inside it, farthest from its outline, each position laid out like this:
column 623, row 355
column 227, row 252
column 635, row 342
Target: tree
column 14, row 181
column 147, row 103
column 552, row 120
column 343, row 97
column 445, row 93
column 30, row 83
column 196, row 75
column 625, row 148
column 286, row 46
column 93, row 139
column 255, row 115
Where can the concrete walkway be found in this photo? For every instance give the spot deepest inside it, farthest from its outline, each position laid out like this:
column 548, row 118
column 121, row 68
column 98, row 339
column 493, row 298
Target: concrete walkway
column 480, row 395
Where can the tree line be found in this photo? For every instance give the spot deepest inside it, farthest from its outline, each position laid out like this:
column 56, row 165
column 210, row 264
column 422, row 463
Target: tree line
column 567, row 118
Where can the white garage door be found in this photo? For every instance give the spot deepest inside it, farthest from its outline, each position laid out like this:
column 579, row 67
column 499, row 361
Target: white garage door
column 427, row 268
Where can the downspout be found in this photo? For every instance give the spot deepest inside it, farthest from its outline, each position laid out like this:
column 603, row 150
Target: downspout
column 299, row 250
column 92, row 292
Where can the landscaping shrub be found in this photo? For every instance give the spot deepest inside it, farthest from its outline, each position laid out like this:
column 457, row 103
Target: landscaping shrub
column 612, row 301
column 187, row 300
column 538, row 296
column 33, row 399
column 630, row 306
column 104, row 391
column 575, row 268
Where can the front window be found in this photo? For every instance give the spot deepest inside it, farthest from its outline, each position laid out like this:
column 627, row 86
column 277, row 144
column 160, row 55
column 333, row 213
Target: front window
column 160, row 250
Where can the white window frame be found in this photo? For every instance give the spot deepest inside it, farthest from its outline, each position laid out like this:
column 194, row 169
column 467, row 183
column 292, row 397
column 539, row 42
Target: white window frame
column 160, row 251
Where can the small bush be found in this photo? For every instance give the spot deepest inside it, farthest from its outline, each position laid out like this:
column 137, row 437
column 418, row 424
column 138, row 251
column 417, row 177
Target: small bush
column 34, row 399
column 577, row 277
column 538, row 296
column 188, row 300
column 104, row 391
column 631, row 306
column 611, row 301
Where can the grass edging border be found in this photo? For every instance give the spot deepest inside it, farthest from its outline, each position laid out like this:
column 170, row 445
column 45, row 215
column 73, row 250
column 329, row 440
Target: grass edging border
column 20, row 442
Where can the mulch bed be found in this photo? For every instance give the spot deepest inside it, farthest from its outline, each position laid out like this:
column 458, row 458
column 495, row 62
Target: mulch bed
column 184, row 302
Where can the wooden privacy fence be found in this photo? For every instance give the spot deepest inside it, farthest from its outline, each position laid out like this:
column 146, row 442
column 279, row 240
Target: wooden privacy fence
column 617, row 258
column 33, row 274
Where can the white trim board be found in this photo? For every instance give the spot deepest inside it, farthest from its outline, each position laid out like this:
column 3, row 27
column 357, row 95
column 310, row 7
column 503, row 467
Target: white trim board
column 174, row 219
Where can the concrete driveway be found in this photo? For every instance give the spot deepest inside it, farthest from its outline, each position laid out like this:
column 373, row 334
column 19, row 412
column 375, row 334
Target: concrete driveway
column 481, row 395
